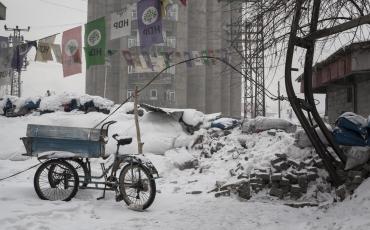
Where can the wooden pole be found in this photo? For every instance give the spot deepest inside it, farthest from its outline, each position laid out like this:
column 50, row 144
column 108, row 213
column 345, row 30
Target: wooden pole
column 279, row 99
column 138, row 134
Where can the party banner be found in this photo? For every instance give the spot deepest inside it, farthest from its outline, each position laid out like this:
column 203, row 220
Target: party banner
column 20, row 52
column 71, row 51
column 149, row 22
column 43, row 53
column 95, row 42
column 57, row 52
column 121, row 23
column 184, row 2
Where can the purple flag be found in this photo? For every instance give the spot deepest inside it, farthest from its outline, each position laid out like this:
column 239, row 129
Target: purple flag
column 149, row 22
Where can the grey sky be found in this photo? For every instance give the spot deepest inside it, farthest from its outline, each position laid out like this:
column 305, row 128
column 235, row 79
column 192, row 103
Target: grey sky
column 46, row 17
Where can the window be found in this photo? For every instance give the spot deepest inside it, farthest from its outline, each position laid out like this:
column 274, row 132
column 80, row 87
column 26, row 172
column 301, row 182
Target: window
column 171, row 42
column 153, row 94
column 349, row 95
column 132, row 42
column 130, row 93
column 130, row 69
column 171, row 96
column 171, row 70
column 134, row 12
column 172, row 12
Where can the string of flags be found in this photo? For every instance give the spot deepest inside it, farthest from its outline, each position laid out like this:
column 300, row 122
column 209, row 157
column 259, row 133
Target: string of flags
column 149, row 18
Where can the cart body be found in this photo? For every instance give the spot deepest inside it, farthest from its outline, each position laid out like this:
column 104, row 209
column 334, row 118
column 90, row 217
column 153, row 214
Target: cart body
column 83, row 142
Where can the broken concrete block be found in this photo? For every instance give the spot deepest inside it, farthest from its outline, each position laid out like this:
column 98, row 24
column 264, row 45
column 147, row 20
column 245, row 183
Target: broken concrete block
column 278, row 192
column 243, row 176
column 312, row 169
column 353, row 174
column 293, row 163
column 312, row 176
column 284, row 182
column 264, row 176
column 318, row 163
column 341, row 192
column 292, row 178
column 277, row 160
column 222, row 193
column 296, row 191
column 276, row 177
column 283, row 165
column 303, row 182
column 283, row 156
column 244, row 191
column 357, row 180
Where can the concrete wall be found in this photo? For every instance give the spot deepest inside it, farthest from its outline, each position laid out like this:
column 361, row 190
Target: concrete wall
column 337, row 98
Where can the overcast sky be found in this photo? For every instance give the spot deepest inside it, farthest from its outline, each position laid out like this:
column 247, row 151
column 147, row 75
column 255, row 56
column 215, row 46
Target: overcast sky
column 46, row 17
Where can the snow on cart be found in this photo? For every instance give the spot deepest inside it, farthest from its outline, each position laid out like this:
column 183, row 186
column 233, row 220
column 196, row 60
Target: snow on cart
column 65, row 153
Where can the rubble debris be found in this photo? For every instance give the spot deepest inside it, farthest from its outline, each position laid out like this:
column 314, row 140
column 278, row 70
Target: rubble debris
column 260, row 124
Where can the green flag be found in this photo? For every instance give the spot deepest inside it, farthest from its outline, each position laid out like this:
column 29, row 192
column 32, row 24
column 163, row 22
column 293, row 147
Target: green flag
column 95, row 42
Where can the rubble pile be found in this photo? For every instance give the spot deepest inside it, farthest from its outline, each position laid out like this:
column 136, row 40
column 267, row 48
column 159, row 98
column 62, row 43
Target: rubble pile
column 269, row 163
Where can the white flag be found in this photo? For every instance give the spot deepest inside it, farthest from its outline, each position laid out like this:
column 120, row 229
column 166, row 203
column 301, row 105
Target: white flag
column 121, row 23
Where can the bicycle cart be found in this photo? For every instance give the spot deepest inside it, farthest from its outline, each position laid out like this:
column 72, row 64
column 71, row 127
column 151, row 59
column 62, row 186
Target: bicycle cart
column 65, row 153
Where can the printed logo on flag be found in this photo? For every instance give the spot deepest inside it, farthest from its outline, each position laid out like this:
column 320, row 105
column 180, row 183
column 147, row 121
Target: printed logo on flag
column 150, row 15
column 149, row 22
column 121, row 23
column 71, row 47
column 94, row 37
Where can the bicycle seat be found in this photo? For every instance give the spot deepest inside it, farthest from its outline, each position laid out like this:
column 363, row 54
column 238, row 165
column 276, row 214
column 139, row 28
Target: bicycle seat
column 122, row 141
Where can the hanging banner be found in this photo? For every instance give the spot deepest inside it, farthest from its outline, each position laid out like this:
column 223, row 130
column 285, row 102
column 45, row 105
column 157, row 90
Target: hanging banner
column 5, row 54
column 43, row 53
column 95, row 42
column 164, row 6
column 71, row 51
column 57, row 52
column 20, row 52
column 149, row 22
column 121, row 23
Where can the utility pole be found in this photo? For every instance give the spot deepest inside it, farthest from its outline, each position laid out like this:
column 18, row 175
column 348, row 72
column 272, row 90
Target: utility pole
column 16, row 40
column 279, row 99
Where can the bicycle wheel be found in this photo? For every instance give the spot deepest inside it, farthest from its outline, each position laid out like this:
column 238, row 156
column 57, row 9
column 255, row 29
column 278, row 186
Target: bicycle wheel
column 56, row 180
column 137, row 186
column 82, row 171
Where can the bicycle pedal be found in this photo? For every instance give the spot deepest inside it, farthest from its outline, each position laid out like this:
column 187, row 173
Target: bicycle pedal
column 100, row 198
column 119, row 198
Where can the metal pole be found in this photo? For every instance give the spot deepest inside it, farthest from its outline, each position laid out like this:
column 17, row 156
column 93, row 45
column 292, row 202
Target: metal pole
column 279, row 99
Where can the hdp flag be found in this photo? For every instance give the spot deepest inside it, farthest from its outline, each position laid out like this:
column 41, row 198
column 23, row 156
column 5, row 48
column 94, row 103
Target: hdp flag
column 95, row 42
column 121, row 23
column 71, row 51
column 43, row 53
column 149, row 22
column 6, row 54
column 20, row 52
column 57, row 52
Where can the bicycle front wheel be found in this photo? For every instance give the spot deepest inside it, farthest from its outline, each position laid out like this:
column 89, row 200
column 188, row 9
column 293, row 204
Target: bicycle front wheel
column 137, row 186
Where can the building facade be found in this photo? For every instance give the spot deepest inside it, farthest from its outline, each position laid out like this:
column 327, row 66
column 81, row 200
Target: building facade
column 345, row 79
column 201, row 25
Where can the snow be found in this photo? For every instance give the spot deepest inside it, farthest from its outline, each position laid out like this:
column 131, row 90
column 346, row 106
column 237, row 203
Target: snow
column 166, row 146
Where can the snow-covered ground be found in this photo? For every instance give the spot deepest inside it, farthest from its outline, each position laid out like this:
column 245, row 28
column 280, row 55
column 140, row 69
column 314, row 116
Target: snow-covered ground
column 173, row 208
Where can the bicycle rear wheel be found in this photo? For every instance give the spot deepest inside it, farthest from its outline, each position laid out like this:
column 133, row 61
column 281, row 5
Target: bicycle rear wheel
column 137, row 186
column 56, row 180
